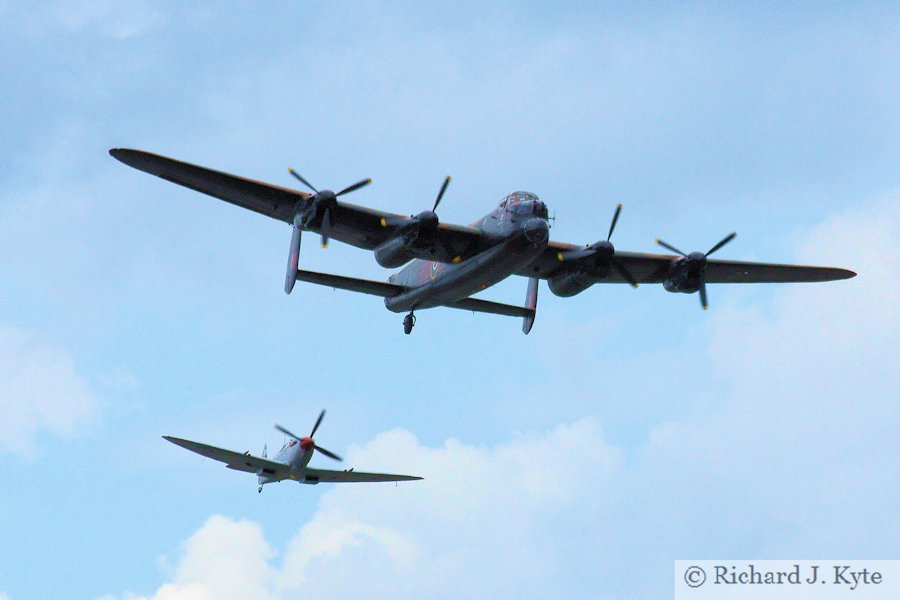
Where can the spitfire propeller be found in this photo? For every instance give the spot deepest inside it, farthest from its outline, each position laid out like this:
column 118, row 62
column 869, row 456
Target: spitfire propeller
column 320, row 203
column 307, row 442
column 695, row 265
column 602, row 255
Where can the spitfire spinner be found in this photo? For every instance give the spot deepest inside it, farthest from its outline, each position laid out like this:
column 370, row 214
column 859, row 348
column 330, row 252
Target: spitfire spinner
column 450, row 263
column 291, row 462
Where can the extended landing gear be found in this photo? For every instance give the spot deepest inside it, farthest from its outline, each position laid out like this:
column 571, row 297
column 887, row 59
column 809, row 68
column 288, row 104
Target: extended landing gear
column 259, row 491
column 409, row 322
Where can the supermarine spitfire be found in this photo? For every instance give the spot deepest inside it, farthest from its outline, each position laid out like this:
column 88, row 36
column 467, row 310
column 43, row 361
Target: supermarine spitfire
column 450, row 263
column 291, row 462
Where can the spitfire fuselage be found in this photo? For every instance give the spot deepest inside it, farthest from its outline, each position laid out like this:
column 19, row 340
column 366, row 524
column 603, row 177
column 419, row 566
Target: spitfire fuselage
column 296, row 454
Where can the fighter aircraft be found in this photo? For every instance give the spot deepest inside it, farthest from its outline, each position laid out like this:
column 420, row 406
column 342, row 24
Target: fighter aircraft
column 290, row 462
column 450, row 263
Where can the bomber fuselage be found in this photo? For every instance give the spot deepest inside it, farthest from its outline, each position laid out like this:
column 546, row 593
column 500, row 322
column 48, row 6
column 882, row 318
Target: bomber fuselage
column 517, row 232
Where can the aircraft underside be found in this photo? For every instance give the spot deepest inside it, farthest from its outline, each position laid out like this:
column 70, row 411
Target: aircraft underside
column 447, row 263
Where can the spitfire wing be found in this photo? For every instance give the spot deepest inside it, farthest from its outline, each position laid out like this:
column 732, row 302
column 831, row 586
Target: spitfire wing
column 326, row 475
column 233, row 460
column 652, row 268
column 355, row 225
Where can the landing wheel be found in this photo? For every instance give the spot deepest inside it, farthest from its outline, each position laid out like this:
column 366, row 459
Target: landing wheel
column 409, row 322
column 259, row 491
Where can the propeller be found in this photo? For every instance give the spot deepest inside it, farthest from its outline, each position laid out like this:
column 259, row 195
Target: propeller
column 612, row 226
column 441, row 193
column 603, row 251
column 427, row 219
column 328, row 453
column 698, row 261
column 309, row 439
column 303, row 181
column 327, row 197
column 318, row 422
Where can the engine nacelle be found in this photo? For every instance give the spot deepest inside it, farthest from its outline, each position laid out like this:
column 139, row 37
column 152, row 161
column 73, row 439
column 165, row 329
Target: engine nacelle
column 570, row 283
column 314, row 208
column 685, row 276
column 393, row 253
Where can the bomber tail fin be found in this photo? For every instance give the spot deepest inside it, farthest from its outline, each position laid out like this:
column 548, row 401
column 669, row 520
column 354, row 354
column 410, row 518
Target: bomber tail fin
column 265, row 449
column 530, row 304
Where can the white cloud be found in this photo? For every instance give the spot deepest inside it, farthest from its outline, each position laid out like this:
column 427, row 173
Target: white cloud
column 478, row 512
column 224, row 559
column 40, row 390
column 797, row 459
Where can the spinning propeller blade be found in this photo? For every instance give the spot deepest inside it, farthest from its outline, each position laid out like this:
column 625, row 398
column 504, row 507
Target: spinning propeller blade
column 328, row 453
column 318, row 422
column 624, row 272
column 315, row 428
column 288, row 433
column 319, row 199
column 699, row 258
column 618, row 266
column 354, row 187
column 427, row 220
column 612, row 226
column 604, row 251
column 576, row 254
column 303, row 181
column 668, row 247
column 724, row 241
column 441, row 193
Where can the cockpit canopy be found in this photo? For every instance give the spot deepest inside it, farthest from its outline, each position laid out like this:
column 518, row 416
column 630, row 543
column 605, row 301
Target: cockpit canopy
column 524, row 203
column 518, row 197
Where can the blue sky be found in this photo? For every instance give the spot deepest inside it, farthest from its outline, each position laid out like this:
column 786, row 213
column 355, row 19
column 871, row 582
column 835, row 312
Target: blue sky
column 629, row 429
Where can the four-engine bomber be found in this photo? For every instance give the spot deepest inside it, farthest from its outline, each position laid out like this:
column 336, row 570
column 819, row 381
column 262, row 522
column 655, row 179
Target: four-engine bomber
column 447, row 264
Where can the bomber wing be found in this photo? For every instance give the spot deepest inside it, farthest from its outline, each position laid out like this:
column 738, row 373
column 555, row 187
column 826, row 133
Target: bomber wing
column 329, row 476
column 233, row 460
column 653, row 268
column 355, row 225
